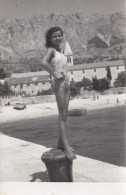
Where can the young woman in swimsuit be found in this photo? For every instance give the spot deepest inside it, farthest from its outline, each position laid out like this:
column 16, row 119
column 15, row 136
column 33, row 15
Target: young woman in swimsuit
column 55, row 62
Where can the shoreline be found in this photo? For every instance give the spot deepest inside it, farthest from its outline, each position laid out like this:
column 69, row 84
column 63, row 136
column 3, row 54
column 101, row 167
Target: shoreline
column 8, row 114
column 94, row 135
column 50, row 114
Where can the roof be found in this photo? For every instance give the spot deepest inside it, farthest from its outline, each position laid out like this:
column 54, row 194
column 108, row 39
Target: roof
column 29, row 74
column 41, row 76
column 96, row 65
column 28, row 80
column 67, row 49
column 100, row 41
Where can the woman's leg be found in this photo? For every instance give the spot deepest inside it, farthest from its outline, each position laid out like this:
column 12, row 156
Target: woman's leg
column 62, row 98
column 60, row 144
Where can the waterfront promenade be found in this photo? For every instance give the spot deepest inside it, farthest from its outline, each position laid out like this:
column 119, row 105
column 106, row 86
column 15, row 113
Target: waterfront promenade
column 21, row 160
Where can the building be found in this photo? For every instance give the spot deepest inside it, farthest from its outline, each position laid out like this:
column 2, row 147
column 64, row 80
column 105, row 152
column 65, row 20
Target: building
column 69, row 54
column 99, row 41
column 30, row 83
column 99, row 70
column 34, row 82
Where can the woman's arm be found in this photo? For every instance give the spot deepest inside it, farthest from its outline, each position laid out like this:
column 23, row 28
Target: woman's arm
column 46, row 62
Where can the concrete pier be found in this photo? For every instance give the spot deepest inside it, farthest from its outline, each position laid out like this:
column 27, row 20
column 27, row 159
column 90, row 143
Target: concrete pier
column 20, row 161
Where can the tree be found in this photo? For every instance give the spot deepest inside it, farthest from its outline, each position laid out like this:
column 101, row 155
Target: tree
column 95, row 84
column 74, row 89
column 5, row 89
column 108, row 75
column 120, row 81
column 2, row 73
column 87, row 83
column 103, row 84
column 100, row 84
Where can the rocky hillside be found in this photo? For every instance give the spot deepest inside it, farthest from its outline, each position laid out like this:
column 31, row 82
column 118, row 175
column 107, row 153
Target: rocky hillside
column 21, row 39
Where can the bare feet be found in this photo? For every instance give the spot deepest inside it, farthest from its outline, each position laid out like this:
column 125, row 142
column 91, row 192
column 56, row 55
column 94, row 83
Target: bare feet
column 69, row 154
column 62, row 148
column 68, row 150
column 72, row 149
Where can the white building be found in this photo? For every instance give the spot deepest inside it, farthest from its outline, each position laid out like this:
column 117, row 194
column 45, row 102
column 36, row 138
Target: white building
column 69, row 54
column 34, row 82
column 30, row 83
column 99, row 70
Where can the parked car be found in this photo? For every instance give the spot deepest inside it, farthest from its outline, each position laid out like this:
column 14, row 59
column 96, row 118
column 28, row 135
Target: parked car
column 19, row 106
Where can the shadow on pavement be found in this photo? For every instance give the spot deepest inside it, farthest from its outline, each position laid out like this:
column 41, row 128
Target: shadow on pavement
column 40, row 177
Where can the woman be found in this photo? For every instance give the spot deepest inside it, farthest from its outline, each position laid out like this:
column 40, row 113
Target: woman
column 56, row 64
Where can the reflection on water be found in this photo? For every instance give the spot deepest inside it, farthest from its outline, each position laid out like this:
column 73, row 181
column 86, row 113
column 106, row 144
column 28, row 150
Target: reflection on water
column 99, row 135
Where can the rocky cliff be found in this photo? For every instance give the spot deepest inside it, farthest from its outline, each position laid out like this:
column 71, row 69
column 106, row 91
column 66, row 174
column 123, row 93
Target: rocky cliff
column 91, row 37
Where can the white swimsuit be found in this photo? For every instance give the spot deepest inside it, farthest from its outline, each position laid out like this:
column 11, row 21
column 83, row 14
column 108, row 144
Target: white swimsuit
column 59, row 65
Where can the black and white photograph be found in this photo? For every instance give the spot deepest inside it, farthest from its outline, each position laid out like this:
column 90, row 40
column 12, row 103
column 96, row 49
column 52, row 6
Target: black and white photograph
column 62, row 97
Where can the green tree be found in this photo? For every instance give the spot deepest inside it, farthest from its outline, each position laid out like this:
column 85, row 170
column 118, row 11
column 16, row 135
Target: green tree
column 108, row 74
column 100, row 84
column 103, row 84
column 5, row 89
column 86, row 83
column 121, row 80
column 2, row 73
column 74, row 89
column 95, row 84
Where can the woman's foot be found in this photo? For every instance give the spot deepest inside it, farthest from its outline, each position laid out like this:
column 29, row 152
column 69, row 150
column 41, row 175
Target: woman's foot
column 62, row 148
column 69, row 154
column 72, row 149
column 68, row 150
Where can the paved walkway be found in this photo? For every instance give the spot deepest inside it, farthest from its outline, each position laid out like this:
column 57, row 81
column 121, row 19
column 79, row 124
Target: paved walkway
column 21, row 162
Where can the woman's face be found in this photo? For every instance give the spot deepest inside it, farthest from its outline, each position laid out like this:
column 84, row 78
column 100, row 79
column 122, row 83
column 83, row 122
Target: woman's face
column 57, row 38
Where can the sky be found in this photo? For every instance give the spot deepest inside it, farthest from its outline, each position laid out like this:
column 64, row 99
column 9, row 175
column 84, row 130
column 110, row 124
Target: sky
column 25, row 8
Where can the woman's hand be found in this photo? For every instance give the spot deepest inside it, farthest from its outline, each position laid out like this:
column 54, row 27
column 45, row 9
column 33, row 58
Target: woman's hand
column 60, row 76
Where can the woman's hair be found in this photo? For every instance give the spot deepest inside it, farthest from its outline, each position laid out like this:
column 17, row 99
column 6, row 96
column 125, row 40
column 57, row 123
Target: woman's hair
column 49, row 34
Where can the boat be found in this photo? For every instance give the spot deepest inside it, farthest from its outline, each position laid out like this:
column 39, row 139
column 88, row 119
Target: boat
column 77, row 112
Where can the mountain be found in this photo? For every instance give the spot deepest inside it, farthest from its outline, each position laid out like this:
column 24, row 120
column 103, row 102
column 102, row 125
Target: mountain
column 23, row 39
